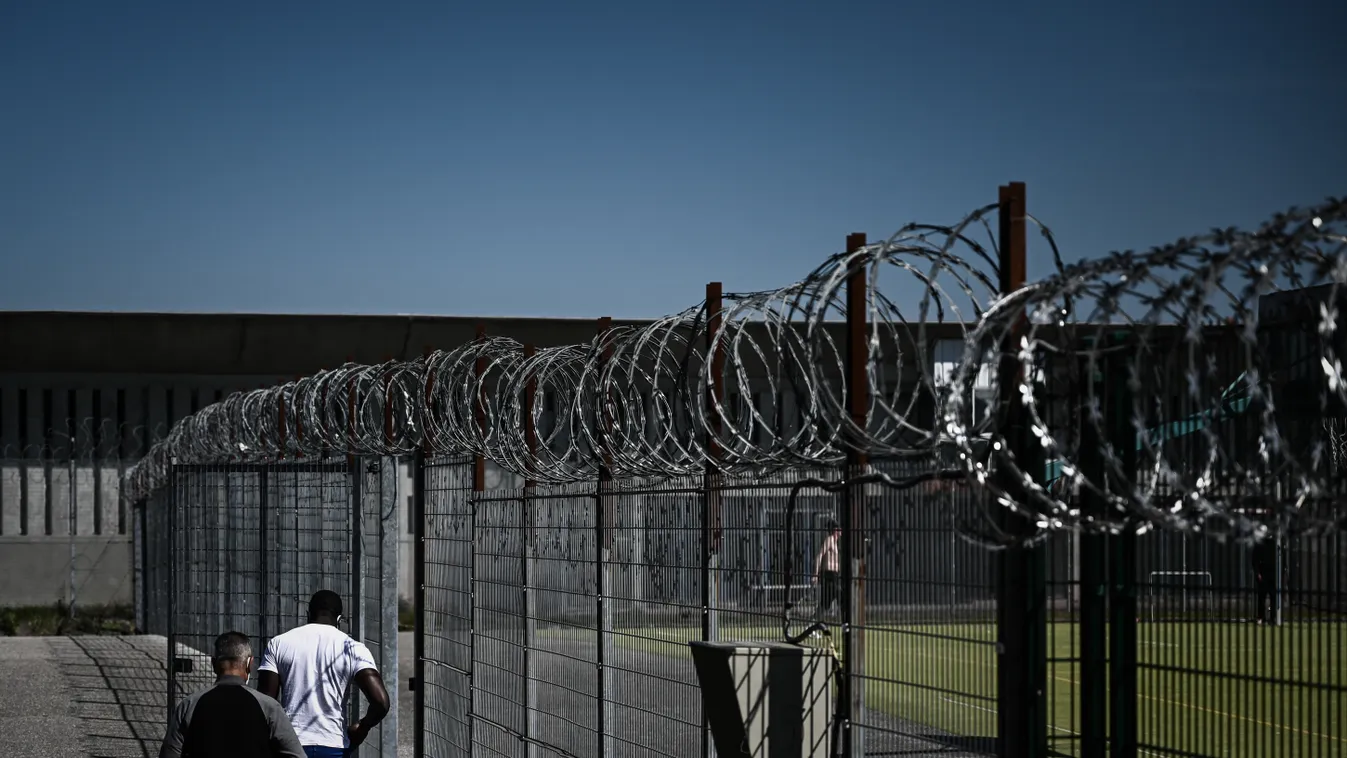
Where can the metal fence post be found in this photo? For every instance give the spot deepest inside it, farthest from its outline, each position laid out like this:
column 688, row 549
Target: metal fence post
column 355, row 473
column 603, row 548
column 72, row 512
column 171, row 649
column 1093, row 556
column 418, row 678
column 1123, row 577
column 388, row 595
column 418, row 516
column 478, row 487
column 226, row 544
column 263, row 532
column 526, row 572
column 710, row 516
column 852, row 549
column 1022, row 588
column 139, row 569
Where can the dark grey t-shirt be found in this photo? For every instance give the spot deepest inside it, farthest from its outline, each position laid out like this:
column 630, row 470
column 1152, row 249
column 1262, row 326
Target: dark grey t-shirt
column 230, row 720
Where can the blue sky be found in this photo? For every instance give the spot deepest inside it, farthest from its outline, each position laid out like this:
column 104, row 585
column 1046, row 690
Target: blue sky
column 591, row 158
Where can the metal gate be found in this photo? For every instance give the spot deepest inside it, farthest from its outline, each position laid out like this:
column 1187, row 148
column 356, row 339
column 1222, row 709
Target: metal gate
column 242, row 547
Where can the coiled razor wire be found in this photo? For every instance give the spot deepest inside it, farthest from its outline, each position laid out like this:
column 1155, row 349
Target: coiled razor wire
column 636, row 401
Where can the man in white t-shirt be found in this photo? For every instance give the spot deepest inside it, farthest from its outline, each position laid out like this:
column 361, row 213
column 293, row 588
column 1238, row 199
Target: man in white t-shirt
column 309, row 668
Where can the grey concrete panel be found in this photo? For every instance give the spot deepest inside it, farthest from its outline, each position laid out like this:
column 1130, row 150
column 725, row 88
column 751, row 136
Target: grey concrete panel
column 109, row 496
column 9, row 453
column 86, row 503
column 61, row 499
column 36, row 500
column 37, row 571
column 32, row 444
column 86, row 499
column 10, row 491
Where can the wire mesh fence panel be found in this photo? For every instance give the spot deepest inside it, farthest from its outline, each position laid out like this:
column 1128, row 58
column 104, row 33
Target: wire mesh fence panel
column 250, row 545
column 564, row 662
column 651, row 609
column 1066, row 641
column 763, row 533
column 447, row 610
column 242, row 547
column 499, row 699
column 928, row 628
column 1236, row 653
column 198, row 576
column 310, row 509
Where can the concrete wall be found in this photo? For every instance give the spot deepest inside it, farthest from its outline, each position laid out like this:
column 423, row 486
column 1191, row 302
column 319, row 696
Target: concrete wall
column 38, row 570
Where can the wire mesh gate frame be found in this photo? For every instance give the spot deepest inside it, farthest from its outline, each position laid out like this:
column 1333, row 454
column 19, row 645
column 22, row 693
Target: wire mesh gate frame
column 243, row 546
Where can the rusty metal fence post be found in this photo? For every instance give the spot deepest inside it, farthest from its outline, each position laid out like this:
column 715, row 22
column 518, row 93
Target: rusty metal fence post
column 1093, row 627
column 852, row 549
column 1022, row 581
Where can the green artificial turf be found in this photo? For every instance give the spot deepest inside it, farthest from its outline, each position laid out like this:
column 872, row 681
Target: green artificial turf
column 1205, row 688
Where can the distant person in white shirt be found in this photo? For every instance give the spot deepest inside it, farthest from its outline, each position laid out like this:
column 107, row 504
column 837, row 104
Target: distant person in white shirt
column 309, row 668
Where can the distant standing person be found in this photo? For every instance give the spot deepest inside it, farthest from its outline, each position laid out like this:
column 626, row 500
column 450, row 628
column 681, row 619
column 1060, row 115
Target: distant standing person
column 229, row 720
column 1265, row 576
column 827, row 569
column 309, row 668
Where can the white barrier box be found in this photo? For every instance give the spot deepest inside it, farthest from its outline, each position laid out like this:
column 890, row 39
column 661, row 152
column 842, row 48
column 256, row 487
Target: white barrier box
column 766, row 699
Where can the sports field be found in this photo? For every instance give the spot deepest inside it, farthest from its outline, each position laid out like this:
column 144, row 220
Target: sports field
column 1206, row 689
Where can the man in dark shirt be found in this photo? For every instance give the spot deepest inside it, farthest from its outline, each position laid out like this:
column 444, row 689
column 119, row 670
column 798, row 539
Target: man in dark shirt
column 230, row 719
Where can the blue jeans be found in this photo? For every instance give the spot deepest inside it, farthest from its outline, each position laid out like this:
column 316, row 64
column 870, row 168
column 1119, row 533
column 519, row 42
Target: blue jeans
column 319, row 751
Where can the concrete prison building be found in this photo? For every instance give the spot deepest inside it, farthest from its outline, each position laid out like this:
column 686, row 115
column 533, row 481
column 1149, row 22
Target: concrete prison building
column 83, row 395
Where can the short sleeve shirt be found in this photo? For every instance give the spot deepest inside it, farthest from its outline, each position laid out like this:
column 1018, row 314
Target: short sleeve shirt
column 316, row 663
column 229, row 720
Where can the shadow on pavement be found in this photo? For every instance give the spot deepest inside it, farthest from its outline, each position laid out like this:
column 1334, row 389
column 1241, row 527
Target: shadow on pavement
column 118, row 686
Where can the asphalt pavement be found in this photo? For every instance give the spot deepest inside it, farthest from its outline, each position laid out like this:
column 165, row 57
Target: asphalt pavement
column 38, row 716
column 105, row 696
